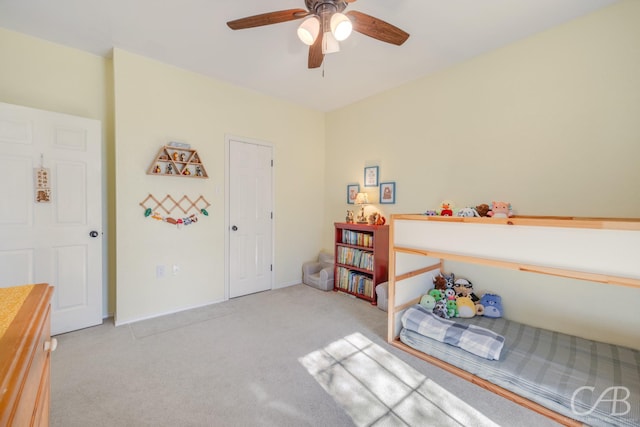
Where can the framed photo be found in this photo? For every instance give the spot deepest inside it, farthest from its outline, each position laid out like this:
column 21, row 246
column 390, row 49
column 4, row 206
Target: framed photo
column 352, row 192
column 371, row 176
column 388, row 192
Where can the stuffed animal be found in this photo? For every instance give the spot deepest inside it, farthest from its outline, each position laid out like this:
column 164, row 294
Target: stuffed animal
column 428, row 302
column 466, row 308
column 464, row 288
column 446, row 208
column 437, row 294
column 500, row 210
column 431, row 212
column 483, row 209
column 468, row 212
column 450, row 278
column 452, row 308
column 439, row 282
column 441, row 309
column 492, row 305
column 449, row 294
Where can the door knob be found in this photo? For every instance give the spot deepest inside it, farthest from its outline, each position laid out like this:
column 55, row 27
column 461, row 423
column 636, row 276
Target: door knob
column 93, row 233
column 234, row 228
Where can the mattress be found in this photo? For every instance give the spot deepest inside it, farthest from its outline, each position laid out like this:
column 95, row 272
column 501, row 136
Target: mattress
column 592, row 382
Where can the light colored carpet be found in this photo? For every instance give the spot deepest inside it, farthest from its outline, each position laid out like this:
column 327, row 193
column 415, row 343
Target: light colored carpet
column 377, row 389
column 234, row 363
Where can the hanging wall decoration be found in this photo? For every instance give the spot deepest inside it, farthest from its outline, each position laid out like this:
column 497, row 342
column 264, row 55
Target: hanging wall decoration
column 186, row 210
column 42, row 179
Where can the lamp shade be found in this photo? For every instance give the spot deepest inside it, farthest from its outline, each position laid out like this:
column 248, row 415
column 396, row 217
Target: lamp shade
column 329, row 43
column 308, row 30
column 362, row 199
column 340, row 26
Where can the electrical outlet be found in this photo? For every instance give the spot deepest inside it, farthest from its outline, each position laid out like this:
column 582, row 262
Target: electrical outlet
column 160, row 272
column 176, row 269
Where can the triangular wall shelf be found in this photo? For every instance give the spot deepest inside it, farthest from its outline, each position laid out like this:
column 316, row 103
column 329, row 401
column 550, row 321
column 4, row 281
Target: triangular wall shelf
column 176, row 161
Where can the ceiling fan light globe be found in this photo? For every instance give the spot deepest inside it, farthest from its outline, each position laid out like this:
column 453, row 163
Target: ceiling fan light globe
column 341, row 26
column 308, row 30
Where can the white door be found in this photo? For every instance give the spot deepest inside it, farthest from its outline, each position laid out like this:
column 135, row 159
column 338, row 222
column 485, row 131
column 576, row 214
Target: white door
column 52, row 241
column 250, row 217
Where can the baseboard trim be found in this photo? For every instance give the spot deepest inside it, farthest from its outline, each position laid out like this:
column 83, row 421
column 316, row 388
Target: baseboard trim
column 153, row 316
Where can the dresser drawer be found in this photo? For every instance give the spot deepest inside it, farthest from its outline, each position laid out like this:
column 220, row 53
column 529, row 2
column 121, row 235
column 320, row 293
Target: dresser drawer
column 32, row 389
column 25, row 361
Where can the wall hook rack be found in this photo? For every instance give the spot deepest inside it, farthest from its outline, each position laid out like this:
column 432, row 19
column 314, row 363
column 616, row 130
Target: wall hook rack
column 186, row 209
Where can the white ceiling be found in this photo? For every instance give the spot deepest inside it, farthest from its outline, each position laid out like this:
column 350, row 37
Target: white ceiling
column 192, row 34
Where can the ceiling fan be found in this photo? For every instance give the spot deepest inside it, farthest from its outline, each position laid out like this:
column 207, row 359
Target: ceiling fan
column 325, row 25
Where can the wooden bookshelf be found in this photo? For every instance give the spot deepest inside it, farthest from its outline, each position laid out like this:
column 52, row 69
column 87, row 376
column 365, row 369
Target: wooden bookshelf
column 361, row 259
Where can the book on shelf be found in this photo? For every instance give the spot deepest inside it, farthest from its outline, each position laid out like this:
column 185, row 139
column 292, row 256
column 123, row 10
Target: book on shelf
column 354, row 282
column 355, row 257
column 357, row 238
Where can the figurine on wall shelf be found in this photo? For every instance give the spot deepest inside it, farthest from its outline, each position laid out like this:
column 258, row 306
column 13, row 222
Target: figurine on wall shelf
column 157, row 169
column 175, row 155
column 186, row 171
column 198, row 171
column 169, row 169
column 182, row 157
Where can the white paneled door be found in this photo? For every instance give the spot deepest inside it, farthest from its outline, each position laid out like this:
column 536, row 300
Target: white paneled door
column 50, row 210
column 250, row 217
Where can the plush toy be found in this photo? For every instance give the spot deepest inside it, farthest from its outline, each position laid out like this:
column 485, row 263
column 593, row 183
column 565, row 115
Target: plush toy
column 450, row 278
column 437, row 294
column 492, row 304
column 431, row 212
column 466, row 308
column 439, row 282
column 464, row 288
column 500, row 210
column 446, row 208
column 483, row 209
column 468, row 212
column 441, row 309
column 449, row 294
column 428, row 302
column 452, row 308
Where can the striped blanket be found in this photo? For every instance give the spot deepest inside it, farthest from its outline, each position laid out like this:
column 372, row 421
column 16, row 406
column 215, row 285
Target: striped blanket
column 474, row 339
column 590, row 381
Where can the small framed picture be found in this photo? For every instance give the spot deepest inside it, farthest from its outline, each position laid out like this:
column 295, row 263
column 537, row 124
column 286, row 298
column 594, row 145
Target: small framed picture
column 371, row 176
column 352, row 192
column 388, row 192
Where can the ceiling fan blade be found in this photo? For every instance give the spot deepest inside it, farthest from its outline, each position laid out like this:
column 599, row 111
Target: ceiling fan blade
column 267, row 19
column 315, row 52
column 377, row 28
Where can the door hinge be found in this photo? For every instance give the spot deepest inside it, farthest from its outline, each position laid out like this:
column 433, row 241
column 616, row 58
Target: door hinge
column 271, row 215
column 271, row 162
column 271, row 267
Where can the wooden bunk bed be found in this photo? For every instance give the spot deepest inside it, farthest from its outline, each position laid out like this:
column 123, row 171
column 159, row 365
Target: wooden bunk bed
column 602, row 250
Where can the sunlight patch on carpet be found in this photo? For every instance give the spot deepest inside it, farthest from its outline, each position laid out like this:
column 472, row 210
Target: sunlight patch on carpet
column 377, row 389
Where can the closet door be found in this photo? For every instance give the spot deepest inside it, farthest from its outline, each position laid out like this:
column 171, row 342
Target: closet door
column 250, row 217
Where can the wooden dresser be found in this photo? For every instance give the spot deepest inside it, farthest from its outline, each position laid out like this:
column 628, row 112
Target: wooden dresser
column 25, row 349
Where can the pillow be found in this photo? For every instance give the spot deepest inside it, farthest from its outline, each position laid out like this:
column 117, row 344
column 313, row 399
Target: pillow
column 474, row 339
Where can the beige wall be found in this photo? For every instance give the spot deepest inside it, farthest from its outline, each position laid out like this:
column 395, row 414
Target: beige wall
column 157, row 103
column 549, row 124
